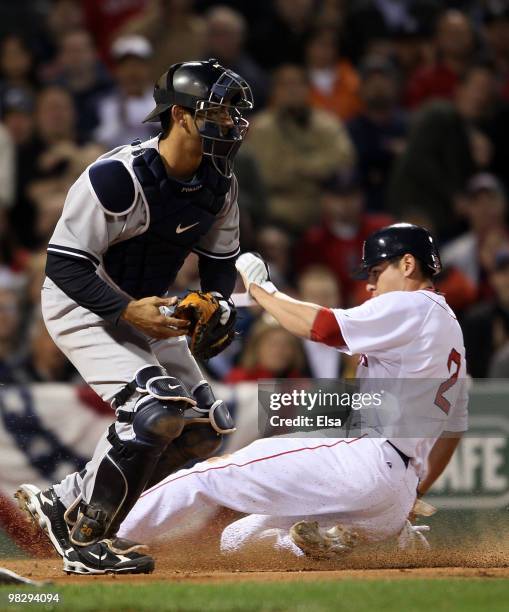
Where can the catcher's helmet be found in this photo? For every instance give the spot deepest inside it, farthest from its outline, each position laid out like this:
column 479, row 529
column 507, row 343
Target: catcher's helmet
column 398, row 239
column 202, row 87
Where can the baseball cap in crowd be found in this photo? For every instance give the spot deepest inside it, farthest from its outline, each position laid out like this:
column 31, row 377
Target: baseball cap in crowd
column 133, row 45
column 484, row 181
column 502, row 259
column 341, row 183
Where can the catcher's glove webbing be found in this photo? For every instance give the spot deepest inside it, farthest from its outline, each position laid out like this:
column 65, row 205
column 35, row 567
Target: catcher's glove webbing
column 208, row 335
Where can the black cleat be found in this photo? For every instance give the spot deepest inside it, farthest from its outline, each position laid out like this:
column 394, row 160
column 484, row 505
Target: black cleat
column 108, row 556
column 47, row 513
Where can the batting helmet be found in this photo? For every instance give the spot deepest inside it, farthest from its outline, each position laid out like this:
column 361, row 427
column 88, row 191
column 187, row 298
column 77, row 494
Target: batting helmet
column 203, row 87
column 398, row 239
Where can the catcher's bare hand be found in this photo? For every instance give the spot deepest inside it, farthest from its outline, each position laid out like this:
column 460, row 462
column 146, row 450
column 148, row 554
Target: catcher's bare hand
column 145, row 315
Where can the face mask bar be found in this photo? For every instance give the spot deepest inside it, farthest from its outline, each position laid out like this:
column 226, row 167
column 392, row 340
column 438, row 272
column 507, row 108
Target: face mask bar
column 219, row 120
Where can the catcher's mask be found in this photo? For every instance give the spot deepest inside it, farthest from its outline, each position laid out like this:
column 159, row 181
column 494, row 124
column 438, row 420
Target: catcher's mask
column 217, row 96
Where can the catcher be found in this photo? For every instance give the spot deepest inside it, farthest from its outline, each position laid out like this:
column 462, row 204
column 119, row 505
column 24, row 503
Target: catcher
column 128, row 224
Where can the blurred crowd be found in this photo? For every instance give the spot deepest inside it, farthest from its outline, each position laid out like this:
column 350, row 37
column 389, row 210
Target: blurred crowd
column 367, row 112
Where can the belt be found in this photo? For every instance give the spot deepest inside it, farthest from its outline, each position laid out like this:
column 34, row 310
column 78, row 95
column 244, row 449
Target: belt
column 404, row 458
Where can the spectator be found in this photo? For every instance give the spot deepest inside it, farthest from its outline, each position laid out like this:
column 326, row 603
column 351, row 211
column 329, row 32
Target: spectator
column 319, row 285
column 369, row 22
column 496, row 33
column 10, row 322
column 174, row 31
column 274, row 243
column 442, row 153
column 456, row 286
column 17, row 66
column 297, row 147
column 48, row 166
column 44, row 361
column 454, row 48
column 226, row 32
column 252, row 198
column 485, row 209
column 63, row 164
column 17, row 82
column 18, row 118
column 337, row 242
column 270, row 352
column 35, row 273
column 122, row 112
column 379, row 132
column 105, row 19
column 489, row 115
column 334, row 81
column 280, row 39
column 55, row 117
column 459, row 290
column 18, row 115
column 22, row 16
column 12, row 257
column 84, row 76
column 486, row 326
column 499, row 364
column 63, row 16
column 411, row 48
column 7, row 169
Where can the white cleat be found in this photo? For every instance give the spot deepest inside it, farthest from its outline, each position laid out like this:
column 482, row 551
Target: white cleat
column 320, row 543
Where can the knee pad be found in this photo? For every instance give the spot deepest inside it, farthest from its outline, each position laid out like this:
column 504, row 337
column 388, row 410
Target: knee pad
column 159, row 412
column 163, row 399
column 216, row 411
column 157, row 422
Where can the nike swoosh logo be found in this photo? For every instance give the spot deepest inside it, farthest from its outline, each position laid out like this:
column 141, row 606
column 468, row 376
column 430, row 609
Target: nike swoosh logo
column 94, row 555
column 179, row 229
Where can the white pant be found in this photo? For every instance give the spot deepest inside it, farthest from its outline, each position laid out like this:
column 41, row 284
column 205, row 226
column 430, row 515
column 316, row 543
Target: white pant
column 357, row 482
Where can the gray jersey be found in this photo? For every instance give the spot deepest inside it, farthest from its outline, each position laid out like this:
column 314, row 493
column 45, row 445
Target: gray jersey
column 88, row 227
column 108, row 351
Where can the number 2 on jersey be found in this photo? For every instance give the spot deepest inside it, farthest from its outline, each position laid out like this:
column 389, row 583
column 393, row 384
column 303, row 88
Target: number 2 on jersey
column 440, row 401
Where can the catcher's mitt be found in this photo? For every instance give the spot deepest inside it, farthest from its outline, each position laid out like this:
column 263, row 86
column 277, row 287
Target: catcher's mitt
column 208, row 335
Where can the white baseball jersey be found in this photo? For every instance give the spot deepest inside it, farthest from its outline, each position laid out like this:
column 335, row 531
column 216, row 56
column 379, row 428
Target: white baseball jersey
column 405, row 335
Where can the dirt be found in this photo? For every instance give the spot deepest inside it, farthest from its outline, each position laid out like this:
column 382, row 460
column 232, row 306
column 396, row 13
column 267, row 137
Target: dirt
column 51, row 569
column 190, row 562
column 196, row 558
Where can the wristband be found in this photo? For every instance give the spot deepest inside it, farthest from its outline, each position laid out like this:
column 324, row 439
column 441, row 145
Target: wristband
column 268, row 286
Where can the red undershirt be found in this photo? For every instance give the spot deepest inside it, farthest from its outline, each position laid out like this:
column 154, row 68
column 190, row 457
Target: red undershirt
column 326, row 329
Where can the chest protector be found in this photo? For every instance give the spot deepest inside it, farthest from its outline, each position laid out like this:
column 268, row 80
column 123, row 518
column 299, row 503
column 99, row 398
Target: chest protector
column 180, row 214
